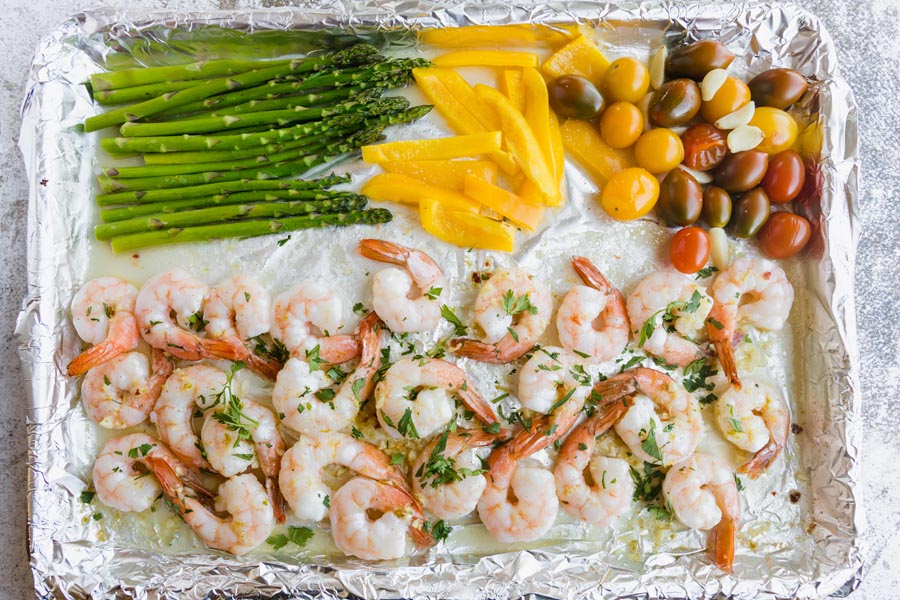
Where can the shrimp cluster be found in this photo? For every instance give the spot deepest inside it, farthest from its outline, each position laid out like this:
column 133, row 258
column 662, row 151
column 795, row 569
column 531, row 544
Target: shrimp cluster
column 391, row 451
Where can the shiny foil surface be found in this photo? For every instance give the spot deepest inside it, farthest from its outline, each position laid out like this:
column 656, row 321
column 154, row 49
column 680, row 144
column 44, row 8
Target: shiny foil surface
column 813, row 550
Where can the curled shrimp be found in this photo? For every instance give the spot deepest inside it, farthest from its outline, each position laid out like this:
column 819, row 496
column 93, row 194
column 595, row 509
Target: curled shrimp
column 596, row 489
column 414, row 399
column 703, row 495
column 513, row 309
column 592, row 318
column 370, row 520
column 304, row 319
column 663, row 423
column 176, row 293
column 408, row 299
column 752, row 291
column 550, row 374
column 303, row 399
column 121, row 392
column 755, row 418
column 121, row 485
column 186, row 390
column 303, row 464
column 103, row 315
column 667, row 312
column 236, row 310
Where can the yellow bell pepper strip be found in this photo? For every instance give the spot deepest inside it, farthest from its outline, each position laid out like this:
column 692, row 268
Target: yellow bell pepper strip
column 521, row 140
column 465, row 229
column 487, row 58
column 556, row 149
column 578, row 57
column 537, row 113
column 434, row 149
column 394, row 187
column 502, row 36
column 512, row 87
column 448, row 174
column 583, row 142
column 460, row 88
column 504, row 203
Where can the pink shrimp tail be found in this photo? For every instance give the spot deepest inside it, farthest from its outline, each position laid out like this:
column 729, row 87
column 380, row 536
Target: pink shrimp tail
column 720, row 327
column 504, row 351
column 757, row 465
column 591, row 275
column 481, row 407
column 174, row 484
column 338, row 349
column 263, row 366
column 122, row 336
column 229, row 349
column 722, row 540
column 382, row 251
column 276, row 498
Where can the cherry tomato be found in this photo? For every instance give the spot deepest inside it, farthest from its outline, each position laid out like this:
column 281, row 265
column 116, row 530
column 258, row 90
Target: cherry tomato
column 785, row 177
column 716, row 206
column 680, row 198
column 575, row 97
column 697, row 59
column 751, row 211
column 784, row 234
column 659, row 150
column 778, row 88
column 733, row 94
column 742, row 171
column 675, row 103
column 621, row 124
column 629, row 194
column 778, row 127
column 689, row 249
column 704, row 146
column 626, row 80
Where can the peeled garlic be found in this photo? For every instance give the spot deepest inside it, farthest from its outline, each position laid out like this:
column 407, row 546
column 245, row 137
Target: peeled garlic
column 745, row 137
column 658, row 67
column 702, row 177
column 737, row 118
column 711, row 83
column 678, row 129
column 644, row 106
column 720, row 248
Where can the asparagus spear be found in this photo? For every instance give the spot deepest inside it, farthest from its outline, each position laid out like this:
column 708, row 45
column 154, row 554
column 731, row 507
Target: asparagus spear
column 218, row 214
column 140, row 92
column 113, row 80
column 245, row 229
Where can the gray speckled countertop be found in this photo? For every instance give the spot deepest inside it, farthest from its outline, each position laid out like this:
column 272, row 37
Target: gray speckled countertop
column 867, row 35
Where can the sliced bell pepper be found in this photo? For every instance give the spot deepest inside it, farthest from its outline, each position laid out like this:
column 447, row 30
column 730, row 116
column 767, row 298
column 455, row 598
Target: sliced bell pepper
column 537, row 112
column 394, row 187
column 434, row 149
column 496, row 35
column 448, row 174
column 583, row 142
column 511, row 85
column 578, row 57
column 487, row 58
column 465, row 229
column 556, row 149
column 504, row 203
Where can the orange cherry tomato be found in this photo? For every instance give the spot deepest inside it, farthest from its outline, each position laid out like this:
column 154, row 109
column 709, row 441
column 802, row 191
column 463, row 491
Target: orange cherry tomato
column 626, row 80
column 733, row 94
column 630, row 194
column 779, row 129
column 621, row 124
column 659, row 150
column 689, row 249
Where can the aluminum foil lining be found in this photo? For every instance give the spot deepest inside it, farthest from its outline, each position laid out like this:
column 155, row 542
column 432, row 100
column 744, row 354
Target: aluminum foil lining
column 71, row 557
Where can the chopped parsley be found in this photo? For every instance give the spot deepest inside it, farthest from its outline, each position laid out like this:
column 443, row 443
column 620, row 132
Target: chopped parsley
column 441, row 469
column 294, row 535
column 438, row 530
column 405, row 425
column 197, row 322
column 632, row 362
column 434, row 293
column 513, row 305
column 647, row 485
column 282, row 242
column 397, row 458
column 312, row 357
column 140, row 451
column 357, row 387
column 450, row 317
column 738, row 483
column 277, row 352
column 706, row 272
column 87, row 497
column 668, row 316
column 356, row 433
column 696, row 376
column 358, row 308
column 231, row 413
column 648, row 444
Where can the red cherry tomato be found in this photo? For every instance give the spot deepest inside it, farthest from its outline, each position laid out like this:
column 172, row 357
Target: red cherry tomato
column 689, row 249
column 785, row 177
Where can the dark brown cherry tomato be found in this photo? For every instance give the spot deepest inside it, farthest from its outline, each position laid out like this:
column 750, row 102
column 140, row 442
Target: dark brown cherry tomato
column 751, row 211
column 704, row 146
column 784, row 234
column 575, row 97
column 716, row 206
column 675, row 103
column 697, row 59
column 778, row 88
column 689, row 249
column 680, row 198
column 785, row 177
column 742, row 171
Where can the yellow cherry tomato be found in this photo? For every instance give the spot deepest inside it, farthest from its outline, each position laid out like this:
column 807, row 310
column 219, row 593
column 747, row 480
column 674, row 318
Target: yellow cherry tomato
column 630, row 194
column 621, row 124
column 659, row 150
column 626, row 80
column 733, row 94
column 779, row 129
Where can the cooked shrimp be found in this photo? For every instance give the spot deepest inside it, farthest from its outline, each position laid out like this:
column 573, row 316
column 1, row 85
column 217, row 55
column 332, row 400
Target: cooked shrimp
column 550, row 374
column 703, row 495
column 592, row 318
column 304, row 319
column 103, row 315
column 414, row 399
column 408, row 299
column 661, row 410
column 667, row 312
column 755, row 418
column 447, row 472
column 121, row 392
column 236, row 310
column 306, row 404
column 176, row 293
column 302, row 468
column 370, row 520
column 596, row 489
column 752, row 291
column 118, row 482
column 513, row 309
column 188, row 388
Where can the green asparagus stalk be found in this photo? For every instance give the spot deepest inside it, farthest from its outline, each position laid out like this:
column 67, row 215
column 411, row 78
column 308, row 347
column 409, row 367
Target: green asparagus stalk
column 246, row 229
column 140, row 92
column 225, row 187
column 233, row 212
column 309, row 100
column 199, row 70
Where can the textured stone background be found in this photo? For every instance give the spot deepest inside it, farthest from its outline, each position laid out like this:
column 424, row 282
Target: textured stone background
column 867, row 35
